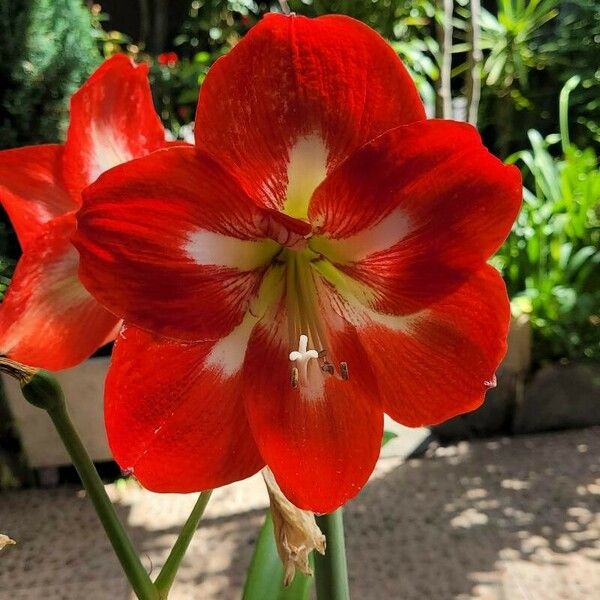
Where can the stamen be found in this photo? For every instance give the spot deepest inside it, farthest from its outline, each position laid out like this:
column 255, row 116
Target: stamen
column 305, row 323
column 327, row 367
column 344, row 371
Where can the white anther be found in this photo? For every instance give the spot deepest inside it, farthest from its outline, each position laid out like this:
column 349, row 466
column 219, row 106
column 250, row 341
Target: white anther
column 302, row 357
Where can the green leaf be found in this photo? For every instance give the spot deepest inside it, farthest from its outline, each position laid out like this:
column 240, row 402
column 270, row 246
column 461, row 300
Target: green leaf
column 388, row 436
column 265, row 575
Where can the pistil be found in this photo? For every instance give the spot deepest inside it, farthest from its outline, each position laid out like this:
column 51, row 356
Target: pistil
column 305, row 323
column 301, row 357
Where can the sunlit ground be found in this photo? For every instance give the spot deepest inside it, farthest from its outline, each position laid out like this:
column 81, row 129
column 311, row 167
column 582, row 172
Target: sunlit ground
column 509, row 519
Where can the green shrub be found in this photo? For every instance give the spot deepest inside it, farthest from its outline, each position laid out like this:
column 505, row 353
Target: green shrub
column 47, row 50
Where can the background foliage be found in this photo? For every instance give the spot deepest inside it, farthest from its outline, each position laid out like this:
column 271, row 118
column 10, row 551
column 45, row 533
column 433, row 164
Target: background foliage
column 551, row 261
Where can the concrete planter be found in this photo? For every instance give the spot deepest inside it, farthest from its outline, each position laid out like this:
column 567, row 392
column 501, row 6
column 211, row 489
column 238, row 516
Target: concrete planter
column 560, row 397
column 84, row 389
column 556, row 396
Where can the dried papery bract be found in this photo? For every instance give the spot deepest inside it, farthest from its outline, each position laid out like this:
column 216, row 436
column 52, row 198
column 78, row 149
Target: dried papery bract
column 296, row 532
column 6, row 541
column 22, row 373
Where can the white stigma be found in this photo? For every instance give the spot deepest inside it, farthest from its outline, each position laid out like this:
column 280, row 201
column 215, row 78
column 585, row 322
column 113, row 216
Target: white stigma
column 302, row 357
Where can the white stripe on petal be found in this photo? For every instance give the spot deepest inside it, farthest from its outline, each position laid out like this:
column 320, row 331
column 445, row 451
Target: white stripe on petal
column 307, row 168
column 209, row 248
column 57, row 292
column 381, row 236
column 228, row 353
column 404, row 323
column 356, row 309
column 109, row 149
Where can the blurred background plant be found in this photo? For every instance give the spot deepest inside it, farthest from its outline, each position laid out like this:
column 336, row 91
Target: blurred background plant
column 551, row 261
column 576, row 45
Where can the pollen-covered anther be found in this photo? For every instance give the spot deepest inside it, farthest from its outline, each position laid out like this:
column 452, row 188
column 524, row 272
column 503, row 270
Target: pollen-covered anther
column 344, row 371
column 328, row 368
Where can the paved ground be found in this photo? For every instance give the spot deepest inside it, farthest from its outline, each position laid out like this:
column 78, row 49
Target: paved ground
column 510, row 519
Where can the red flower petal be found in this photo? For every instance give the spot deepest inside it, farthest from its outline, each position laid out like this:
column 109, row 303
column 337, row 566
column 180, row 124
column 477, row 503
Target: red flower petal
column 170, row 242
column 439, row 363
column 321, row 445
column 31, row 191
column 412, row 213
column 112, row 121
column 296, row 96
column 48, row 319
column 175, row 416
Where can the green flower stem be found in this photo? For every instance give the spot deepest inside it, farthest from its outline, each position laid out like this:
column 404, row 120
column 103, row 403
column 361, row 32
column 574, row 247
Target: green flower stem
column 165, row 578
column 43, row 391
column 563, row 110
column 331, row 570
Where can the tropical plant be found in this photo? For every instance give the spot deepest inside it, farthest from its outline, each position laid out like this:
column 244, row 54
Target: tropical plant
column 512, row 41
column 551, row 259
column 419, row 55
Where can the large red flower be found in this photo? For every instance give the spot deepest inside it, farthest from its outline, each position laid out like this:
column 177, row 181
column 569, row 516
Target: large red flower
column 48, row 318
column 318, row 259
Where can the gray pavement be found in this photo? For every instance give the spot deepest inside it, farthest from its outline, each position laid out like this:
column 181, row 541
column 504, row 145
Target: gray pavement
column 506, row 519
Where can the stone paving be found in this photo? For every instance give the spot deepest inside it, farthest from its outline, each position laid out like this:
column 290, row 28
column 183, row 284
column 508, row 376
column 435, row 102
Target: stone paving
column 504, row 519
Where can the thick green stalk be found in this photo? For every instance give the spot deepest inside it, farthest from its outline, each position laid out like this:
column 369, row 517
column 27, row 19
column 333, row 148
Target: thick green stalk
column 165, row 578
column 331, row 570
column 42, row 390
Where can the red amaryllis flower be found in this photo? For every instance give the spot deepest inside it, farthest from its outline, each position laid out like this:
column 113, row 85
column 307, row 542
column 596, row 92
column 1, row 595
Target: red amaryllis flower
column 168, row 59
column 318, row 259
column 48, row 318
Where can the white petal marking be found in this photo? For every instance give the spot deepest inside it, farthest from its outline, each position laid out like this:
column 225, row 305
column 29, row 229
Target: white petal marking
column 383, row 235
column 59, row 291
column 404, row 323
column 209, row 248
column 228, row 353
column 109, row 150
column 307, row 167
column 354, row 308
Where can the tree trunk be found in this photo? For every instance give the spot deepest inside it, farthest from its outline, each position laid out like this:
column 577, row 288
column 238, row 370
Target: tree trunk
column 475, row 60
column 444, row 35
